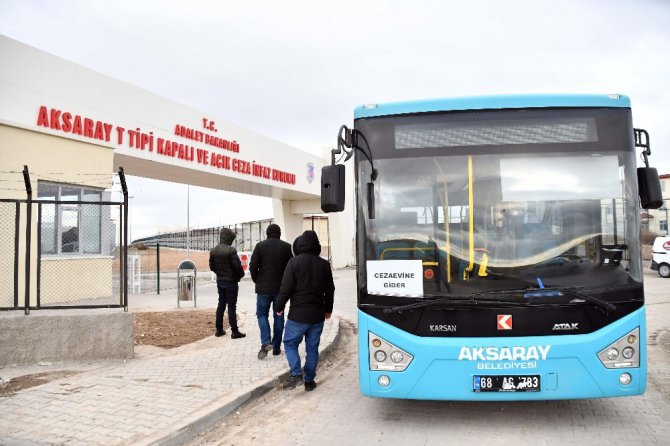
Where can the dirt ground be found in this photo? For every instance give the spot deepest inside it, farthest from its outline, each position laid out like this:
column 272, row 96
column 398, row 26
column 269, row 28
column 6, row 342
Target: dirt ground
column 170, row 329
column 164, row 329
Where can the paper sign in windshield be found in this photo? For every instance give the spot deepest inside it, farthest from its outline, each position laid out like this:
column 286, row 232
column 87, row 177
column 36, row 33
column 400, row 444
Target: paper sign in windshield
column 395, row 277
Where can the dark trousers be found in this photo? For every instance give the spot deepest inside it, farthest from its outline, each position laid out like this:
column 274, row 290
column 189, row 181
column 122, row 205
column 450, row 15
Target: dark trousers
column 263, row 303
column 295, row 331
column 227, row 296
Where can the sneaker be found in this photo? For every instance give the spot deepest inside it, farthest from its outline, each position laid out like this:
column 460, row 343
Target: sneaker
column 310, row 385
column 276, row 351
column 263, row 352
column 291, row 382
column 218, row 333
column 237, row 335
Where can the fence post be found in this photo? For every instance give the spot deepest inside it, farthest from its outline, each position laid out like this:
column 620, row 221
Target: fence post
column 124, row 239
column 29, row 208
column 158, row 268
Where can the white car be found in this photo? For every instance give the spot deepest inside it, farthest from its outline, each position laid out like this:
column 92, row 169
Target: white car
column 660, row 257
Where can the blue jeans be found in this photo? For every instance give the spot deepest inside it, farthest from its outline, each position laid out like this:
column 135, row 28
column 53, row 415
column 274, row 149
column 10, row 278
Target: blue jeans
column 263, row 302
column 227, row 296
column 293, row 335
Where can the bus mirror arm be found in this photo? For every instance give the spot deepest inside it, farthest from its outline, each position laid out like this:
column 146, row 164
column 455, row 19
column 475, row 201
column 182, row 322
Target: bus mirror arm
column 648, row 181
column 349, row 139
column 333, row 176
column 355, row 135
column 642, row 140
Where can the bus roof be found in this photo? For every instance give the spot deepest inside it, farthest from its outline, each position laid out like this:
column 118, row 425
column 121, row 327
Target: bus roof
column 492, row 103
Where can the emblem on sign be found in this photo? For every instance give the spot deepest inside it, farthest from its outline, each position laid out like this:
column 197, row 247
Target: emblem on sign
column 310, row 172
column 504, row 322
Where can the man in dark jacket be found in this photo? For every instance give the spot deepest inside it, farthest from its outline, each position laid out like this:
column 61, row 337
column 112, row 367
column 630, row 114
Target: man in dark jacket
column 267, row 265
column 224, row 261
column 308, row 284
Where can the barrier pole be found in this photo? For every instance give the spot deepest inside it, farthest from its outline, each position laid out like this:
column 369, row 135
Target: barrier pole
column 158, row 268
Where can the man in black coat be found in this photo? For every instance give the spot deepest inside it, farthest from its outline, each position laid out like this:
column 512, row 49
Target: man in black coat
column 267, row 265
column 224, row 261
column 308, row 284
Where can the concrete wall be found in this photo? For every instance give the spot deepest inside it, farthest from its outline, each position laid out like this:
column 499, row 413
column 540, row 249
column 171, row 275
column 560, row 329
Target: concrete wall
column 69, row 335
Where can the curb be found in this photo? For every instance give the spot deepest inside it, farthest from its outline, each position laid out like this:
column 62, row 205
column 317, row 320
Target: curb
column 218, row 410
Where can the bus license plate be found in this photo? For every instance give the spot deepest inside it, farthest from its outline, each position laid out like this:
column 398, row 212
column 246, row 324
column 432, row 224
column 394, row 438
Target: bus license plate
column 506, row 383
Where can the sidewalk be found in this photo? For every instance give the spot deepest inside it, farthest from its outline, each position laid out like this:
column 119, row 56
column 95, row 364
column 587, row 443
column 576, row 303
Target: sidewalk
column 163, row 398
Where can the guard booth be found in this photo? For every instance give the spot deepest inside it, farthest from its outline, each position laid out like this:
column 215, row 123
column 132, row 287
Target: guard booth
column 186, row 280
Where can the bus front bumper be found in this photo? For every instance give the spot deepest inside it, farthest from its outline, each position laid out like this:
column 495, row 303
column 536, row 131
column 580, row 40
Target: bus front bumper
column 442, row 368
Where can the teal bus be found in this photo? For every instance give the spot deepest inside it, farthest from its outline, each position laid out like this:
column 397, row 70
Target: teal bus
column 498, row 246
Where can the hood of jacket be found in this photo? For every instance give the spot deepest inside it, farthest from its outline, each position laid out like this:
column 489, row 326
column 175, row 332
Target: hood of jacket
column 308, row 243
column 295, row 246
column 273, row 231
column 227, row 236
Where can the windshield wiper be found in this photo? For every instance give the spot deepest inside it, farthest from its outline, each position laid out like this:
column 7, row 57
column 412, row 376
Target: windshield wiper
column 527, row 293
column 560, row 291
column 588, row 298
column 453, row 300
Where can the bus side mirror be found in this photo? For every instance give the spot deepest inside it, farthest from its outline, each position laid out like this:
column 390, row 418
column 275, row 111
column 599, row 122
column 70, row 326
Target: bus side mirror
column 332, row 188
column 649, row 185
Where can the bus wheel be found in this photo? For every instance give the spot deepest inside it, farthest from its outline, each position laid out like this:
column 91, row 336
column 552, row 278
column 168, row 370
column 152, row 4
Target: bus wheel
column 664, row 270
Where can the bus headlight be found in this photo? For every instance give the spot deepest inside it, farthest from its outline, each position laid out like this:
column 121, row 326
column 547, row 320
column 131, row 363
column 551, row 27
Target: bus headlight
column 385, row 356
column 628, row 352
column 612, row 354
column 396, row 356
column 629, row 346
column 380, row 356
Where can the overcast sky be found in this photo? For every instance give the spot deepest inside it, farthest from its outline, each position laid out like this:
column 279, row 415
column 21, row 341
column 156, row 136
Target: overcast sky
column 295, row 70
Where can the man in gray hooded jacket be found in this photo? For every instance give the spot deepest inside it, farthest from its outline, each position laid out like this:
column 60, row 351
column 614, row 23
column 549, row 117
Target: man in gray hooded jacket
column 224, row 261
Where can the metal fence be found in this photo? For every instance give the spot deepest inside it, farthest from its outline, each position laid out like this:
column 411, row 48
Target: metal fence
column 63, row 249
column 247, row 235
column 9, row 248
column 153, row 260
column 154, row 269
column 79, row 261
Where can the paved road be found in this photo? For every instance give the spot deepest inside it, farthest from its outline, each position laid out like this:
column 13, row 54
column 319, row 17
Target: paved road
column 336, row 413
column 159, row 397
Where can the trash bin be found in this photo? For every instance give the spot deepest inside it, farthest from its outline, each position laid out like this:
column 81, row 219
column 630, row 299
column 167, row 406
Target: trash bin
column 186, row 279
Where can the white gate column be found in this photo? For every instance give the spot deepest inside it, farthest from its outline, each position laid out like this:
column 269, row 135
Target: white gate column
column 290, row 224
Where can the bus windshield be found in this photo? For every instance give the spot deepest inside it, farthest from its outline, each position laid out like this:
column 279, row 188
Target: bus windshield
column 520, row 208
